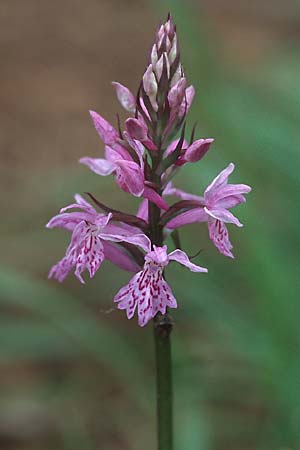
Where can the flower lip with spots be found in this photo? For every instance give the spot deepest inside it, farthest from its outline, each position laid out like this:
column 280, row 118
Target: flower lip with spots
column 148, row 291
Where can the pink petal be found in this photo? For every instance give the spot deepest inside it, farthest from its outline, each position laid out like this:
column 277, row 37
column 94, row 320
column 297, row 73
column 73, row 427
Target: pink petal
column 230, row 201
column 130, row 177
column 229, row 190
column 61, row 269
column 187, row 217
column 136, row 129
column 141, row 240
column 78, row 236
column 118, row 256
column 219, row 235
column 137, row 147
column 197, row 150
column 150, row 86
column 125, row 97
column 223, row 215
column 89, row 257
column 176, row 94
column 218, row 182
column 82, row 202
column 171, row 190
column 67, row 220
column 154, row 197
column 142, row 212
column 187, row 101
column 182, row 258
column 105, row 130
column 98, row 165
column 126, row 297
column 173, row 145
column 158, row 255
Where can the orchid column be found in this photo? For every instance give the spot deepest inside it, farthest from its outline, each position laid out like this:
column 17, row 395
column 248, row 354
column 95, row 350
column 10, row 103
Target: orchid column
column 144, row 155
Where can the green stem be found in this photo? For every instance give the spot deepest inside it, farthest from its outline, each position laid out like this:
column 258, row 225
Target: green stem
column 162, row 330
column 162, row 338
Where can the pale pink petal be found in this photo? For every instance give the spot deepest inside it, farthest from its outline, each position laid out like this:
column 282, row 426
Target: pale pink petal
column 187, row 101
column 136, row 129
column 150, row 86
column 137, row 147
column 142, row 212
column 226, row 191
column 125, row 97
column 158, row 255
column 78, row 236
column 116, row 152
column 127, row 296
column 218, row 182
column 122, row 229
column 120, row 257
column 173, row 145
column 98, row 165
column 197, row 150
column 89, row 257
column 130, row 177
column 165, row 299
column 171, row 190
column 230, row 201
column 61, row 269
column 176, row 94
column 182, row 258
column 67, row 220
column 154, row 197
column 218, row 233
column 82, row 202
column 105, row 130
column 187, row 217
column 141, row 240
column 224, row 215
column 102, row 220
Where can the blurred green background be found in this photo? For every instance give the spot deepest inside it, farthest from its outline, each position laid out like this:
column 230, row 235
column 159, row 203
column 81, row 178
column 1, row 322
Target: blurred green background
column 75, row 374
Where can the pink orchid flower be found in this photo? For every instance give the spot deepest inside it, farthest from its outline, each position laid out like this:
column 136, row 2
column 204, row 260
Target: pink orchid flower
column 93, row 239
column 118, row 161
column 148, row 291
column 213, row 208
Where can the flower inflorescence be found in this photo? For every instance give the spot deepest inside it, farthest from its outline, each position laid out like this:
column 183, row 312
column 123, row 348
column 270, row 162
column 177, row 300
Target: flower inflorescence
column 143, row 158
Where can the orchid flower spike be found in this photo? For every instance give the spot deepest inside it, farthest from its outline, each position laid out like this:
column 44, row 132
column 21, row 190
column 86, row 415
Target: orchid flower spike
column 143, row 155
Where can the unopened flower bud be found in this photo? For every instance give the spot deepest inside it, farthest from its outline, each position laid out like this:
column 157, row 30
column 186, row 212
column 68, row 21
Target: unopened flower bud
column 177, row 75
column 150, row 86
column 168, row 44
column 154, row 55
column 176, row 94
column 173, row 52
column 125, row 97
column 136, row 129
column 159, row 67
column 187, row 101
column 197, row 150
